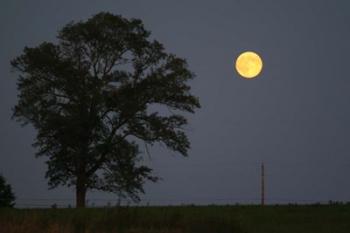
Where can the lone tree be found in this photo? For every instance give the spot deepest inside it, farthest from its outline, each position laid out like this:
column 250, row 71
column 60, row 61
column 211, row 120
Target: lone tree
column 93, row 96
column 7, row 198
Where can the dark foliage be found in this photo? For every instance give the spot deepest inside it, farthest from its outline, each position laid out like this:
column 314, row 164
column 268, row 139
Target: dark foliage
column 7, row 198
column 91, row 97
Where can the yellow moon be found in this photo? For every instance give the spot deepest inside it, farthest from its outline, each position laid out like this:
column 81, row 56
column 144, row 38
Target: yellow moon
column 249, row 64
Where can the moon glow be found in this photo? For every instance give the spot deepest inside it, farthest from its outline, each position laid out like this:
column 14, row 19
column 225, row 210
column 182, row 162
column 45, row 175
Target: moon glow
column 249, row 64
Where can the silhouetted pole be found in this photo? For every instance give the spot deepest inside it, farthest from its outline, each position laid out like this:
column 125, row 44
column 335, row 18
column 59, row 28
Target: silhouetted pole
column 262, row 184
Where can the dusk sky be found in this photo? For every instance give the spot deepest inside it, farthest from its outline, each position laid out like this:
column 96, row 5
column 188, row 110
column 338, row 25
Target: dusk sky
column 295, row 116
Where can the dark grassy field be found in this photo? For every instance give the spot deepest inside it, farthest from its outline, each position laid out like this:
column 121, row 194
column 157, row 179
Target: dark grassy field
column 186, row 219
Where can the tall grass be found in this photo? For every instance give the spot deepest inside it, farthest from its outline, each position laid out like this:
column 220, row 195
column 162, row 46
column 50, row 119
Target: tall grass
column 186, row 219
column 118, row 220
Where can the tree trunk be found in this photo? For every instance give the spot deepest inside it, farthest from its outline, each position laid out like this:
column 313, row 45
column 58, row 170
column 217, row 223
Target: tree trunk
column 80, row 192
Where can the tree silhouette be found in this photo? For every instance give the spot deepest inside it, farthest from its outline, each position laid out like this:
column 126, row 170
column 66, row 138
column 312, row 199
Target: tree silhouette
column 7, row 198
column 92, row 98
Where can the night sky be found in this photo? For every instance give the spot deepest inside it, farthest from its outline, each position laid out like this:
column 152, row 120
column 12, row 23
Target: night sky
column 295, row 116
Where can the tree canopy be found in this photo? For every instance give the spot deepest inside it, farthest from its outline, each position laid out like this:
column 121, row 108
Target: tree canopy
column 7, row 197
column 94, row 97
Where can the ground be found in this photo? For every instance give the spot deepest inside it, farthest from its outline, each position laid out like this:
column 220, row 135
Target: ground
column 180, row 219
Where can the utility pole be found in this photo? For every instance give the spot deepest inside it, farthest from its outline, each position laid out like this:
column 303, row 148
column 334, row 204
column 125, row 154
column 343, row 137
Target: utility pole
column 262, row 184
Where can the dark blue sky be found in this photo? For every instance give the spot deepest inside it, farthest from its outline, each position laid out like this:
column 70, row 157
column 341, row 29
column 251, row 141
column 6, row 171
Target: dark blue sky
column 295, row 117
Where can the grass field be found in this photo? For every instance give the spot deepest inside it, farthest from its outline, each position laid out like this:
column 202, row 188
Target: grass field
column 182, row 219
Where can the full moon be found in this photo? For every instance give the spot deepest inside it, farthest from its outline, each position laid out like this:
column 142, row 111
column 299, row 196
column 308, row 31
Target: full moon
column 249, row 64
